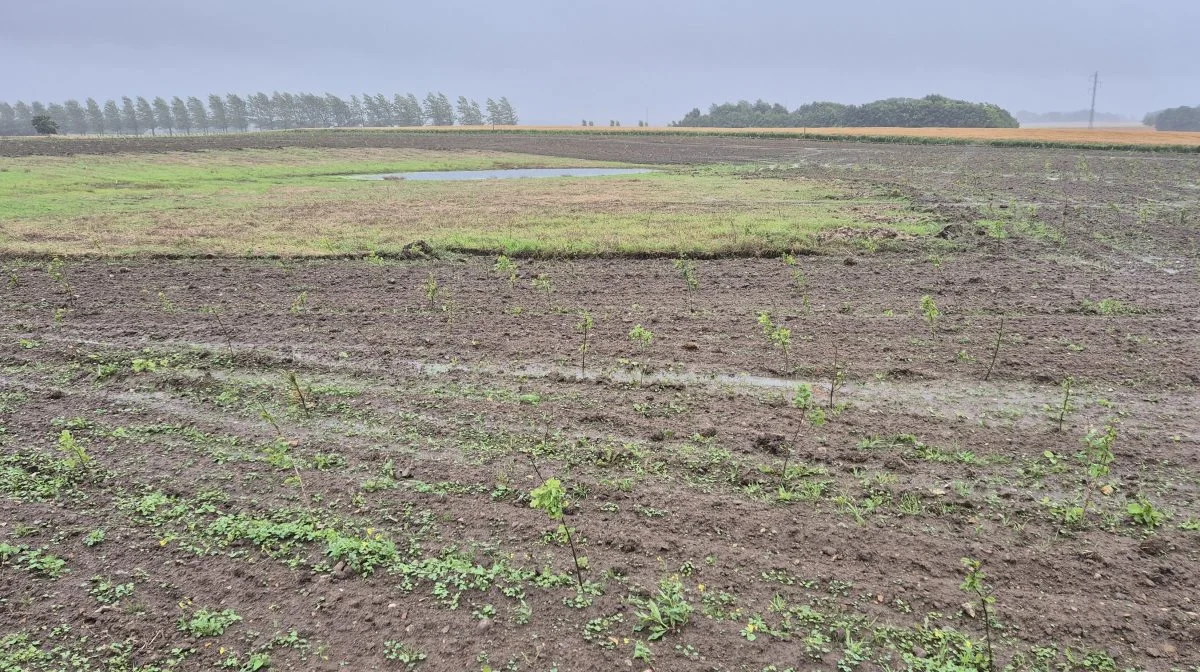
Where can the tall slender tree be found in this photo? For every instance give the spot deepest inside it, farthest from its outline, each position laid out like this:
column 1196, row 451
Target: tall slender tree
column 58, row 114
column 218, row 117
column 262, row 112
column 493, row 112
column 112, row 117
column 76, row 118
column 235, row 110
column 22, row 118
column 145, row 115
column 95, row 117
column 179, row 112
column 198, row 113
column 358, row 112
column 508, row 115
column 8, row 119
column 339, row 111
column 468, row 112
column 129, row 118
column 162, row 115
column 438, row 109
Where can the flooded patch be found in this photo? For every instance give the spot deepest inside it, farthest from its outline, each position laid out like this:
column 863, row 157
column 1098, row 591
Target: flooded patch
column 502, row 174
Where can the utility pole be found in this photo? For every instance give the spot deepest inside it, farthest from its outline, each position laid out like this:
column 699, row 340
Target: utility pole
column 1092, row 114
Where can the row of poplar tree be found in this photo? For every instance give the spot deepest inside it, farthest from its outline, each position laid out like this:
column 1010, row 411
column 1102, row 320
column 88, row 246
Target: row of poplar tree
column 138, row 116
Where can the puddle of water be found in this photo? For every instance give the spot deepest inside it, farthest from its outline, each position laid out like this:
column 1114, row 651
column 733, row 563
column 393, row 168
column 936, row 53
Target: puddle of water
column 503, row 174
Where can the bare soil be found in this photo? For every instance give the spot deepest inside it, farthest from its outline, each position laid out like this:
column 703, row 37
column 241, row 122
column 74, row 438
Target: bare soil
column 218, row 487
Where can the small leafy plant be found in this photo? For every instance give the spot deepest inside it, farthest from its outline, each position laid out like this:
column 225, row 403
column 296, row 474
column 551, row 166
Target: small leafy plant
column 507, row 268
column 542, row 282
column 666, row 611
column 56, row 271
column 930, row 310
column 403, row 653
column 687, row 270
column 1099, row 454
column 777, row 336
column 975, row 583
column 431, row 290
column 206, row 623
column 77, row 455
column 1143, row 512
column 551, row 498
column 642, row 338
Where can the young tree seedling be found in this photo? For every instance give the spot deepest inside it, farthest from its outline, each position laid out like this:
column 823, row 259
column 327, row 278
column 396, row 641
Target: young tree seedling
column 641, row 338
column 930, row 310
column 995, row 349
column 76, row 454
column 57, row 274
column 1060, row 413
column 298, row 392
column 551, row 498
column 837, row 376
column 506, row 267
column 780, row 337
column 1099, row 453
column 975, row 583
column 584, row 327
column 543, row 283
column 804, row 401
column 300, row 305
column 687, row 269
column 216, row 315
column 431, row 290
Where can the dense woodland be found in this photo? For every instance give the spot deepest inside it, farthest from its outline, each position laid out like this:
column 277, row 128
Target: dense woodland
column 929, row 111
column 259, row 111
column 1175, row 119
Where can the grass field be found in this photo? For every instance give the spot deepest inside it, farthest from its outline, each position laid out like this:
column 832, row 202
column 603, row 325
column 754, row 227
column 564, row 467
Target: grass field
column 296, row 202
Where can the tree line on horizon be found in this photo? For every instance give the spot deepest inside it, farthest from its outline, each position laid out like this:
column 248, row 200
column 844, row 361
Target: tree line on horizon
column 258, row 111
column 930, row 111
column 1182, row 118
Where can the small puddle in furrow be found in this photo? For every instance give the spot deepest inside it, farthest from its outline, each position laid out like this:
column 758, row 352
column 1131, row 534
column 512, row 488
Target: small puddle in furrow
column 503, row 174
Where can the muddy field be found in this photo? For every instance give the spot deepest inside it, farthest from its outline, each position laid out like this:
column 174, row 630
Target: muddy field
column 173, row 496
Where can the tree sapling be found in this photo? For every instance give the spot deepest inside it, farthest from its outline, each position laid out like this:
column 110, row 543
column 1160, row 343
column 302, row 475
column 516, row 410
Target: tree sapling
column 780, row 337
column 584, row 327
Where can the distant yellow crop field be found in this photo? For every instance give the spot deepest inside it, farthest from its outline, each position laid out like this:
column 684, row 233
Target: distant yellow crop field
column 1127, row 135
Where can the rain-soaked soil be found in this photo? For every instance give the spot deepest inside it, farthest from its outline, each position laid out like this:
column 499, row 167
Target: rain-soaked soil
column 377, row 508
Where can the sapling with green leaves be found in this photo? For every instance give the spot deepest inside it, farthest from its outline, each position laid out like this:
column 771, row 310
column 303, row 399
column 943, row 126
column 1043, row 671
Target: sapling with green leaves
column 1098, row 450
column 641, row 337
column 543, row 283
column 584, row 327
column 687, row 269
column 930, row 310
column 778, row 336
column 975, row 584
column 430, row 288
column 297, row 392
column 810, row 412
column 507, row 268
column 551, row 498
column 1059, row 411
column 57, row 272
column 77, row 456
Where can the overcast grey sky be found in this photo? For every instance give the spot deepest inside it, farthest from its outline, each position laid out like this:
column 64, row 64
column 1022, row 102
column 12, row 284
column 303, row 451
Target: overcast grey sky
column 559, row 62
